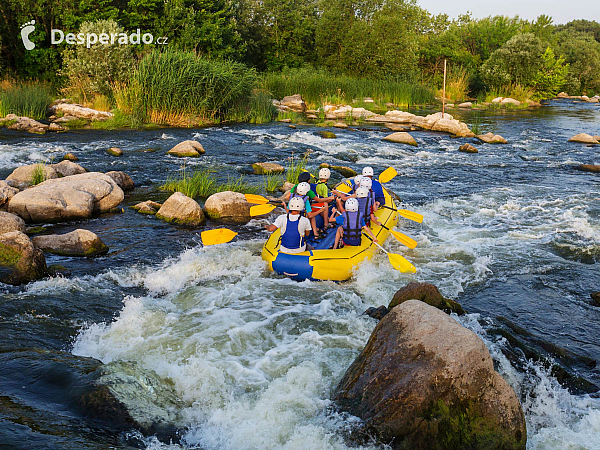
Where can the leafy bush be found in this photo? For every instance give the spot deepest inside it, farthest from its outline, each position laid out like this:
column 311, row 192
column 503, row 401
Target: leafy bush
column 552, row 76
column 25, row 99
column 94, row 70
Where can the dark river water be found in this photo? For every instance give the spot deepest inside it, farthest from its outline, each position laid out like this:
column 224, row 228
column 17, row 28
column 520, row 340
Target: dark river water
column 222, row 354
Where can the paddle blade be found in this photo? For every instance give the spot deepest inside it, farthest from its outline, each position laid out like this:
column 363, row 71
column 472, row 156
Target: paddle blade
column 401, row 263
column 404, row 239
column 256, row 199
column 410, row 215
column 259, row 210
column 387, row 175
column 217, row 236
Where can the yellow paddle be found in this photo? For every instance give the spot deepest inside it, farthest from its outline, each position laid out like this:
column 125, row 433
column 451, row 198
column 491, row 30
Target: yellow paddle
column 387, row 175
column 398, row 262
column 259, row 210
column 259, row 199
column 402, row 238
column 222, row 235
column 410, row 215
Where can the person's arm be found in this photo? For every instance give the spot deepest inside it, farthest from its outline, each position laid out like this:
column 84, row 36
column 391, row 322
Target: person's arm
column 370, row 233
column 270, row 228
column 374, row 219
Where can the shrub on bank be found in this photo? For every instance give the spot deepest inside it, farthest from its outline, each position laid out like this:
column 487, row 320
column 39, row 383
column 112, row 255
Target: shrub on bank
column 25, row 99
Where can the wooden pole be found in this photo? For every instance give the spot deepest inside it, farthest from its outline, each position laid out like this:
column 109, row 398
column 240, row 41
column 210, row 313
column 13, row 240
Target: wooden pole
column 444, row 92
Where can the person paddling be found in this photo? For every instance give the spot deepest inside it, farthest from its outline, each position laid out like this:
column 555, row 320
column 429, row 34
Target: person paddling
column 365, row 205
column 302, row 190
column 294, row 228
column 350, row 232
column 323, row 192
column 377, row 187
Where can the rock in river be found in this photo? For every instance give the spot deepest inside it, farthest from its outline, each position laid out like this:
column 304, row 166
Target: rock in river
column 6, row 193
column 467, row 148
column 401, row 137
column 20, row 260
column 182, row 210
column 10, row 222
column 426, row 293
column 66, row 168
column 147, row 207
column 266, row 168
column 115, row 151
column 25, row 174
column 228, row 206
column 69, row 198
column 187, row 148
column 491, row 138
column 424, row 381
column 76, row 243
column 123, row 180
column 584, row 138
column 594, row 168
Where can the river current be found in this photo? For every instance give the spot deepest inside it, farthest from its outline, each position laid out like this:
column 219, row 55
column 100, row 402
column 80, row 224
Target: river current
column 229, row 356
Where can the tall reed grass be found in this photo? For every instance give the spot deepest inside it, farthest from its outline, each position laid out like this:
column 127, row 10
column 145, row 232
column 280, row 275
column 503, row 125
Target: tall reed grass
column 203, row 183
column 25, row 99
column 296, row 167
column 318, row 87
column 457, row 84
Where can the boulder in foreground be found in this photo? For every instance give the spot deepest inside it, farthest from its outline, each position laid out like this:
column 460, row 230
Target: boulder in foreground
column 76, row 243
column 182, row 210
column 424, row 381
column 228, row 206
column 10, row 222
column 20, row 260
column 25, row 174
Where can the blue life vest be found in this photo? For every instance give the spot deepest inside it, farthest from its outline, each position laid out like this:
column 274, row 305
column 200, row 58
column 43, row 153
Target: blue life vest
column 291, row 238
column 377, row 189
column 305, row 200
column 365, row 206
column 352, row 228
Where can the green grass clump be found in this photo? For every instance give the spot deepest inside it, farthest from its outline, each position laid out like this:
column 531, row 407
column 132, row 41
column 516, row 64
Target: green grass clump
column 261, row 107
column 318, row 87
column 118, row 120
column 272, row 182
column 295, row 167
column 25, row 99
column 39, row 175
column 202, row 183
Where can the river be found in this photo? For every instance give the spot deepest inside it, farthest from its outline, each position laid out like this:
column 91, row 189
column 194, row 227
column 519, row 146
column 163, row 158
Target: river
column 230, row 356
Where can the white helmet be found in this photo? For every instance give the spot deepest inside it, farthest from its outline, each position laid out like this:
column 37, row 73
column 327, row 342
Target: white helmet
column 296, row 204
column 324, row 173
column 302, row 188
column 357, row 179
column 367, row 172
column 351, row 205
column 366, row 182
column 362, row 192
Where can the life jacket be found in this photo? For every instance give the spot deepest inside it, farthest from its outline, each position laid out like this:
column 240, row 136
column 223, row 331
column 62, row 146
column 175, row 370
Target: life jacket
column 319, row 183
column 291, row 238
column 305, row 198
column 365, row 206
column 352, row 228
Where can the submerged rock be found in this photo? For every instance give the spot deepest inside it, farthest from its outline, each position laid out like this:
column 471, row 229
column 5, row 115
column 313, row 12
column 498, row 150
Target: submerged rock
column 401, row 138
column 123, row 180
column 20, row 260
column 187, row 148
column 424, row 381
column 467, row 148
column 266, row 168
column 67, row 168
column 426, row 293
column 69, row 198
column 584, row 138
column 76, row 243
column 115, row 151
column 182, row 210
column 326, row 134
column 147, row 207
column 228, row 206
column 70, row 157
column 595, row 298
column 25, row 174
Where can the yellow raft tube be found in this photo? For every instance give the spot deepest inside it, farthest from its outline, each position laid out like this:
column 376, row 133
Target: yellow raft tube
column 326, row 264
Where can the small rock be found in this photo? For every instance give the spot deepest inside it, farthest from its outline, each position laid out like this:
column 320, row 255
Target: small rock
column 20, row 260
column 426, row 293
column 340, row 125
column 466, row 105
column 24, row 174
column 228, row 206
column 58, row 270
column 29, row 125
column 491, row 138
column 187, row 148
column 285, row 120
column 11, row 222
column 498, row 100
column 123, row 180
column 344, row 171
column 293, row 127
column 595, row 168
column 181, row 210
column 595, row 298
column 401, row 138
column 326, row 134
column 80, row 112
column 510, row 101
column 562, row 95
column 76, row 243
column 398, row 127
column 115, row 151
column 312, row 116
column 70, row 157
column 467, row 148
column 6, row 193
column 66, row 168
column 377, row 313
column 266, row 168
column 533, row 103
column 287, row 186
column 147, row 207
column 55, row 127
column 294, row 103
column 584, row 138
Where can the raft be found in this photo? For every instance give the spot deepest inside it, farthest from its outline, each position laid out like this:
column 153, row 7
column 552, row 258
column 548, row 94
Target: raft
column 326, row 264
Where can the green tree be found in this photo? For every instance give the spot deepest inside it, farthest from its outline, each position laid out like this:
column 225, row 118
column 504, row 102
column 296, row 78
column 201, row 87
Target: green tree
column 552, row 75
column 518, row 61
column 582, row 52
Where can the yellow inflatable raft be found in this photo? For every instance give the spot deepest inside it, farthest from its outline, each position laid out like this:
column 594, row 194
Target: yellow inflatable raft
column 326, row 264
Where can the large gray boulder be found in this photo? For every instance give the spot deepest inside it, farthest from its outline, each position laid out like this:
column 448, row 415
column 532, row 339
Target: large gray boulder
column 79, row 112
column 228, row 206
column 24, row 174
column 27, row 124
column 187, row 148
column 292, row 103
column 76, row 243
column 10, row 222
column 123, row 180
column 20, row 260
column 70, row 198
column 182, row 210
column 6, row 193
column 424, row 381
